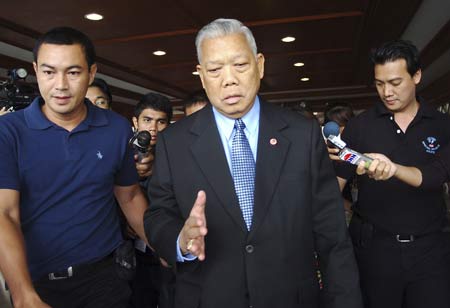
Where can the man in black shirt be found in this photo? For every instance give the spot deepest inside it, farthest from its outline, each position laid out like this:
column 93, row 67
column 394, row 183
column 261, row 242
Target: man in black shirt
column 396, row 228
column 152, row 285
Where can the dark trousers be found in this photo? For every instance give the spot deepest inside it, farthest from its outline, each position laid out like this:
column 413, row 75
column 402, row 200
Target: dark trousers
column 402, row 275
column 94, row 286
column 153, row 285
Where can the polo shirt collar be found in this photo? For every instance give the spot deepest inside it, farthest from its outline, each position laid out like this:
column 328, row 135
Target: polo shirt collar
column 36, row 119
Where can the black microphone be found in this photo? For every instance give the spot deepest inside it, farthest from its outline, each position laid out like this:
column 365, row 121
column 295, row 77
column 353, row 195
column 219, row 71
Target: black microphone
column 141, row 143
column 331, row 132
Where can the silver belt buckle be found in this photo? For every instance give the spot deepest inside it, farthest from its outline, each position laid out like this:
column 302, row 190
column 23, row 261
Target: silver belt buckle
column 405, row 240
column 52, row 276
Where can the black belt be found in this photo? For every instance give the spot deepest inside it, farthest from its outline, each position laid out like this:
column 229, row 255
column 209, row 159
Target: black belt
column 80, row 268
column 404, row 238
column 401, row 238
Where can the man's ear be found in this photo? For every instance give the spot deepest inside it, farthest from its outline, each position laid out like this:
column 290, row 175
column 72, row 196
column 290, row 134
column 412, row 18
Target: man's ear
column 135, row 123
column 200, row 73
column 260, row 62
column 35, row 67
column 92, row 72
column 417, row 76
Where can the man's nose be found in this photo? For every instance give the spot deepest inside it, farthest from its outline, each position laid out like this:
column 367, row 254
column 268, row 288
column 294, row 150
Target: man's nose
column 229, row 76
column 387, row 90
column 61, row 82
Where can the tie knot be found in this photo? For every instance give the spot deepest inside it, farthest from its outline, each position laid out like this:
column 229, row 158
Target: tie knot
column 239, row 125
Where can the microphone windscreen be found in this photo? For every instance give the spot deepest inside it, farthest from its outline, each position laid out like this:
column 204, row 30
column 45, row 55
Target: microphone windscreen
column 331, row 128
column 143, row 139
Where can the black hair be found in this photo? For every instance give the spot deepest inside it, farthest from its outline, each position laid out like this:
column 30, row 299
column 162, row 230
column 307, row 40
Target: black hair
column 303, row 109
column 67, row 36
column 156, row 102
column 103, row 86
column 397, row 49
column 196, row 97
column 340, row 113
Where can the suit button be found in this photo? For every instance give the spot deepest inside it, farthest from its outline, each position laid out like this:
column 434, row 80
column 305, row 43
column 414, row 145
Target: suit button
column 249, row 248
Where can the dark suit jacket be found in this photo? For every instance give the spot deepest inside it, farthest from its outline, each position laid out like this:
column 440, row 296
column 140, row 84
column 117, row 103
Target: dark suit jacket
column 298, row 210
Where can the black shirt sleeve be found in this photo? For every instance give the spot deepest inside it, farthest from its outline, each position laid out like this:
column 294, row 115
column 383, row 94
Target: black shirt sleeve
column 437, row 172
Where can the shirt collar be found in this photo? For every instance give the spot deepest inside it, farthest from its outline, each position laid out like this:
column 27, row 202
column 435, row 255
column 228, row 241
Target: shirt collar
column 36, row 119
column 250, row 119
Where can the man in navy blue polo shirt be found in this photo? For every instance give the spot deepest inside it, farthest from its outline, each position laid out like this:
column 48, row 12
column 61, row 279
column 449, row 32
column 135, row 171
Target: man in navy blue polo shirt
column 62, row 162
column 396, row 229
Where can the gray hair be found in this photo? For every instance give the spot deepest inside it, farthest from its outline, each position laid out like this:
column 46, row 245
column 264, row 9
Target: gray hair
column 221, row 27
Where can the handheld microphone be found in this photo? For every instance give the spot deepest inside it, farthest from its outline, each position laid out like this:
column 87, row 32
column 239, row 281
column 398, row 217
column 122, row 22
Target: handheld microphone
column 141, row 144
column 331, row 132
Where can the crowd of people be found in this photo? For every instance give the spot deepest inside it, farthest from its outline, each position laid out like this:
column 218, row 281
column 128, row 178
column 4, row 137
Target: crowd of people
column 239, row 204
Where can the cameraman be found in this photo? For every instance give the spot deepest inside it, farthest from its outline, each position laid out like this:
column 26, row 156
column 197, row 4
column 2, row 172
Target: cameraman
column 152, row 285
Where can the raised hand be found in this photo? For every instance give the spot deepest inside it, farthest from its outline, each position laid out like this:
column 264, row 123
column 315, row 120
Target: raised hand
column 192, row 236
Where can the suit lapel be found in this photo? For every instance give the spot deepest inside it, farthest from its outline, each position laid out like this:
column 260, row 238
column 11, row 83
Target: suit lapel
column 272, row 150
column 209, row 154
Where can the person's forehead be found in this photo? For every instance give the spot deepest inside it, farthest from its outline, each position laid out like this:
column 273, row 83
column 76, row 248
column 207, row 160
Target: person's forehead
column 236, row 42
column 68, row 53
column 96, row 91
column 153, row 113
column 398, row 65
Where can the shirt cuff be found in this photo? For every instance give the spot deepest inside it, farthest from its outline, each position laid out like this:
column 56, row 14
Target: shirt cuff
column 180, row 256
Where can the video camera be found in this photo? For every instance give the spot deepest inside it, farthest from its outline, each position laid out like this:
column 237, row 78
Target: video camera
column 15, row 96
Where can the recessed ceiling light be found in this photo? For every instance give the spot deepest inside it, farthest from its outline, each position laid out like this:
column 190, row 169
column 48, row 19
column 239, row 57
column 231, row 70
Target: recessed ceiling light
column 159, row 53
column 299, row 64
column 304, row 79
column 288, row 39
column 195, row 73
column 93, row 16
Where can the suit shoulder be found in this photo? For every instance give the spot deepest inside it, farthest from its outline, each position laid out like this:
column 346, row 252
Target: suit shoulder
column 181, row 126
column 290, row 117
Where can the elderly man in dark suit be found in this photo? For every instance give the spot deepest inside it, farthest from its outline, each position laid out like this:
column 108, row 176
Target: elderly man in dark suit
column 243, row 194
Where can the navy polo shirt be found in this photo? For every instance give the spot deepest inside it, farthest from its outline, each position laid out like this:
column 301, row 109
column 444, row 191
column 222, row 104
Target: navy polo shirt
column 66, row 180
column 393, row 205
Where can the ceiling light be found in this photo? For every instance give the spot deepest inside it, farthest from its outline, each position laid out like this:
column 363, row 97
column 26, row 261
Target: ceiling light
column 195, row 73
column 304, row 79
column 288, row 39
column 93, row 16
column 159, row 53
column 299, row 64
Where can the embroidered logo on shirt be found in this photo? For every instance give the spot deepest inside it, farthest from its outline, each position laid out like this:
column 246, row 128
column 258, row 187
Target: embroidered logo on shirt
column 431, row 145
column 99, row 155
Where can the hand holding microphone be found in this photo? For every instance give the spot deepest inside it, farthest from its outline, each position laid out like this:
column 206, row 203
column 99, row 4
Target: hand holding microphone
column 331, row 133
column 141, row 144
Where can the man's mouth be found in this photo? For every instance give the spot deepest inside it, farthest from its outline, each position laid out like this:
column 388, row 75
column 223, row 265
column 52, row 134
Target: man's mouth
column 232, row 99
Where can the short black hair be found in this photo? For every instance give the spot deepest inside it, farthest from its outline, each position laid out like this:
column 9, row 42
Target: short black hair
column 156, row 102
column 303, row 109
column 196, row 97
column 397, row 49
column 340, row 113
column 103, row 86
column 67, row 36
